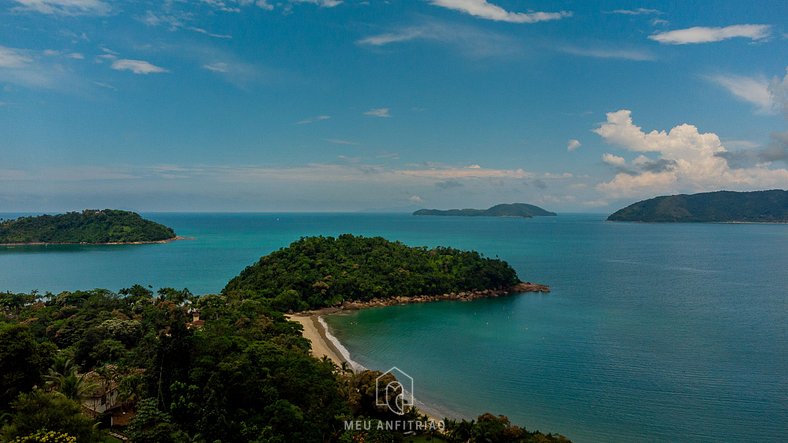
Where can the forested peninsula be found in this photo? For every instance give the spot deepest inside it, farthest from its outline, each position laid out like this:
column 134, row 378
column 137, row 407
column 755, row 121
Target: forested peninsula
column 720, row 207
column 172, row 367
column 503, row 210
column 320, row 272
column 107, row 226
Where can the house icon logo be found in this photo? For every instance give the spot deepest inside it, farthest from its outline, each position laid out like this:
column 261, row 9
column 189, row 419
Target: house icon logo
column 394, row 389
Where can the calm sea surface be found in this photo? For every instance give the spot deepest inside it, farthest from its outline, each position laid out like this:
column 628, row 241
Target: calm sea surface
column 653, row 332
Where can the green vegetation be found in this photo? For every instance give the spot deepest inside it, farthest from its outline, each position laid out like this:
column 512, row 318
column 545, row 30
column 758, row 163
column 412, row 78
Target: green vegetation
column 502, row 210
column 721, row 206
column 88, row 226
column 317, row 272
column 242, row 373
column 175, row 368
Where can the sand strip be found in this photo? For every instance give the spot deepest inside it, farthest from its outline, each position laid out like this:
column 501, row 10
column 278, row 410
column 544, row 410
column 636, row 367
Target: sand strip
column 316, row 334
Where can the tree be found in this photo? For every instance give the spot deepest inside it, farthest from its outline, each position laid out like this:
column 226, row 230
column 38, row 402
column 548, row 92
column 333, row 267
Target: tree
column 49, row 411
column 22, row 361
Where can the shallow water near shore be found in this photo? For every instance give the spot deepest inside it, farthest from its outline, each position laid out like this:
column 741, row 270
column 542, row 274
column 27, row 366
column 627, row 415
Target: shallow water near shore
column 652, row 332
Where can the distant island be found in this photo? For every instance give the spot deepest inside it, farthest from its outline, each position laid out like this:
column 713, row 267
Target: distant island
column 108, row 226
column 721, row 207
column 502, row 210
column 355, row 272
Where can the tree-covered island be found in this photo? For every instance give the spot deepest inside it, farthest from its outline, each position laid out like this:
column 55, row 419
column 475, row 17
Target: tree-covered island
column 523, row 210
column 319, row 272
column 711, row 207
column 107, row 226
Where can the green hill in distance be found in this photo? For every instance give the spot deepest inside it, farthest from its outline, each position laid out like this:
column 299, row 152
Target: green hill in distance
column 502, row 210
column 87, row 227
column 721, row 207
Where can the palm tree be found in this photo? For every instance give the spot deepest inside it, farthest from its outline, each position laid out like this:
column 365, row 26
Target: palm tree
column 64, row 378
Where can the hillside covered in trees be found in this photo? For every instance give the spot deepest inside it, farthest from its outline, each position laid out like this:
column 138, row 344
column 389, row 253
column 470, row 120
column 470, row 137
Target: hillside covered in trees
column 74, row 362
column 88, row 226
column 317, row 272
column 721, row 206
column 503, row 210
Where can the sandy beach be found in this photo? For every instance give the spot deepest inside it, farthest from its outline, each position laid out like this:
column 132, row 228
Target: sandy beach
column 316, row 334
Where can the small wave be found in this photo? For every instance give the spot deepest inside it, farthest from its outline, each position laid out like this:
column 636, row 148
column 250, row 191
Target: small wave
column 356, row 366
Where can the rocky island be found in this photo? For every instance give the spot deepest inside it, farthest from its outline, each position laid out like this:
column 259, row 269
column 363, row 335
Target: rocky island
column 717, row 207
column 107, row 226
column 351, row 272
column 503, row 210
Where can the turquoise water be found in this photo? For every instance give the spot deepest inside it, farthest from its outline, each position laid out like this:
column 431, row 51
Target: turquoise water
column 674, row 332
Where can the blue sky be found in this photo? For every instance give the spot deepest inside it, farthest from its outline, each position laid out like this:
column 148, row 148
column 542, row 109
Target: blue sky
column 328, row 105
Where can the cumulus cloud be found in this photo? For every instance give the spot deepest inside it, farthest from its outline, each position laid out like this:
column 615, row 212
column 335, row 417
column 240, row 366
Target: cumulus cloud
column 137, row 66
column 64, row 7
column 489, row 11
column 378, row 112
column 613, row 160
column 700, row 34
column 573, row 145
column 686, row 161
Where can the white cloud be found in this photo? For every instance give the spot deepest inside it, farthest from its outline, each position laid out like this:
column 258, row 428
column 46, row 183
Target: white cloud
column 613, row 160
column 64, row 7
column 753, row 90
column 137, row 66
column 339, row 141
column 321, row 3
column 637, row 11
column 217, row 67
column 12, row 58
column 470, row 40
column 623, row 54
column 448, row 172
column 778, row 88
column 378, row 112
column 573, row 145
column 485, row 10
column 263, row 4
column 687, row 160
column 416, row 199
column 309, row 120
column 388, row 38
column 701, row 34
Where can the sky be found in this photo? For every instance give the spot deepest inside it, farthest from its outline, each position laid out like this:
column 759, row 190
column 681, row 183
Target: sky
column 329, row 105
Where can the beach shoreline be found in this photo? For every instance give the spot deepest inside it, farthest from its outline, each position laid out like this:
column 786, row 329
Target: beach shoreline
column 314, row 331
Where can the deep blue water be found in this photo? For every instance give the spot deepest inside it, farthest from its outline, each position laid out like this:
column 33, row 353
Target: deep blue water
column 653, row 332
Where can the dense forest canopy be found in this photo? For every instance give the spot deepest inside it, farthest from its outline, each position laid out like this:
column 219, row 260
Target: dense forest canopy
column 316, row 272
column 241, row 373
column 88, row 226
column 722, row 206
column 502, row 210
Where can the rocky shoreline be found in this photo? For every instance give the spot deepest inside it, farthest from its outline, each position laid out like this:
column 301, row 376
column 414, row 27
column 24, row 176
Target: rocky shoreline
column 151, row 242
column 519, row 288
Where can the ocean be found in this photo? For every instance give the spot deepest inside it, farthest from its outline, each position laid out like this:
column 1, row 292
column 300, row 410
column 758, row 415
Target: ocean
column 652, row 332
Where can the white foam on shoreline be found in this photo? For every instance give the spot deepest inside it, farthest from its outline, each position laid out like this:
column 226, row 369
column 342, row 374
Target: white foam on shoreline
column 356, row 366
column 433, row 411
